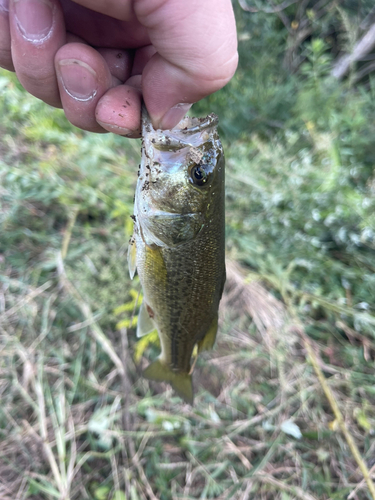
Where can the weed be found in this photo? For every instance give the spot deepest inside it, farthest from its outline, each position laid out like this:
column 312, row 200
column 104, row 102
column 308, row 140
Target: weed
column 77, row 420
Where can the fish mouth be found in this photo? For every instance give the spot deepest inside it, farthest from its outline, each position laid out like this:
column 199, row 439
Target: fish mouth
column 180, row 136
column 197, row 124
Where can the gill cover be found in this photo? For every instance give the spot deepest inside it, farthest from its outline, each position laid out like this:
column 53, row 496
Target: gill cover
column 172, row 229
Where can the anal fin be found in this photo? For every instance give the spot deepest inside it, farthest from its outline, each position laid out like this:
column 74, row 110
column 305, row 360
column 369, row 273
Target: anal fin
column 208, row 341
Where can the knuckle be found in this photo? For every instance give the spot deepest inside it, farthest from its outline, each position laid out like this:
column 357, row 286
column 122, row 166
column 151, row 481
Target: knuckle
column 43, row 86
column 213, row 78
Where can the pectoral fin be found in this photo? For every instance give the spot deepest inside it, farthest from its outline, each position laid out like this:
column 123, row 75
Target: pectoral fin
column 145, row 324
column 208, row 341
column 132, row 258
column 181, row 382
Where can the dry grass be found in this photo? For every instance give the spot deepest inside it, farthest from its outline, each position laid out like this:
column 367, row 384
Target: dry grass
column 71, row 430
column 285, row 404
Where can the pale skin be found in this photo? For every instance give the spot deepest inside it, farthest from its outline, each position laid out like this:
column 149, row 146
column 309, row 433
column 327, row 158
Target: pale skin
column 97, row 59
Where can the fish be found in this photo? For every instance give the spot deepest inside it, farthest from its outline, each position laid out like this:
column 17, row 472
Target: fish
column 178, row 244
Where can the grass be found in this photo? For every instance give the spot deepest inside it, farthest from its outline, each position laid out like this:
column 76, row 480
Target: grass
column 69, row 431
column 286, row 397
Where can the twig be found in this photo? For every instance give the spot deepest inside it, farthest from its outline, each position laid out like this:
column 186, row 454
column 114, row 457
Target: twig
column 368, row 68
column 21, row 490
column 360, row 485
column 173, row 466
column 83, row 324
column 242, row 425
column 44, row 434
column 361, row 48
column 68, row 232
column 126, row 381
column 233, row 448
column 350, row 333
column 304, row 28
column 294, row 490
column 27, row 299
column 142, row 475
column 348, row 311
column 127, row 423
column 71, row 471
column 201, row 467
column 368, row 19
column 336, row 411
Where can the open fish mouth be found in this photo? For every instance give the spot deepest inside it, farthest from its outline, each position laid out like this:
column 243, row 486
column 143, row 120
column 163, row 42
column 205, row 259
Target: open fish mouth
column 194, row 125
column 188, row 132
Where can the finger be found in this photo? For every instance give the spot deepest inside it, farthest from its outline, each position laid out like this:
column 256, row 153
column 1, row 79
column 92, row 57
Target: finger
column 100, row 30
column 5, row 52
column 119, row 62
column 197, row 54
column 70, row 38
column 119, row 9
column 141, row 58
column 119, row 111
column 135, row 81
column 83, row 78
column 37, row 31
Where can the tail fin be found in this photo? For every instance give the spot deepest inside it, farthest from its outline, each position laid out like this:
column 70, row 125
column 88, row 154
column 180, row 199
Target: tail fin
column 181, row 382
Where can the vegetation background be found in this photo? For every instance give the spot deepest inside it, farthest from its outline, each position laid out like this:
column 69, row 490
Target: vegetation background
column 285, row 404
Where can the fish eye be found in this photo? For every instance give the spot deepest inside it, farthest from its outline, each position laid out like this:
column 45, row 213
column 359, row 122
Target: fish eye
column 200, row 174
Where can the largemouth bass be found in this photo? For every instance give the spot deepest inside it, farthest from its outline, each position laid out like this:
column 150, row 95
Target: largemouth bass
column 178, row 243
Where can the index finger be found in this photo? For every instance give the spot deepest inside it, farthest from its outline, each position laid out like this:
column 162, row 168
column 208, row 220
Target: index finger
column 196, row 45
column 37, row 31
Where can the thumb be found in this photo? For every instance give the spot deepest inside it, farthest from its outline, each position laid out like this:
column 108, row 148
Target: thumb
column 196, row 47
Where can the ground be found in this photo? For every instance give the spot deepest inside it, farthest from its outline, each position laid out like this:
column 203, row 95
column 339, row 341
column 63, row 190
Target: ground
column 285, row 400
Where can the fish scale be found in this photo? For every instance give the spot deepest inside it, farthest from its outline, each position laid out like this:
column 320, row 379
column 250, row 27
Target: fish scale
column 178, row 243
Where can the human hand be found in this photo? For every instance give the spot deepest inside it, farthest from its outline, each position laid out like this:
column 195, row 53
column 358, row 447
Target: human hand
column 99, row 58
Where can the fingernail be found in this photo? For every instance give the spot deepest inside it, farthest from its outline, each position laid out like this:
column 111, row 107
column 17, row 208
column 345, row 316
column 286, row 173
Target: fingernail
column 34, row 18
column 174, row 115
column 78, row 79
column 116, row 129
column 4, row 5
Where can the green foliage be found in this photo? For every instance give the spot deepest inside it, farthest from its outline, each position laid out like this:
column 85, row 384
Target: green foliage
column 261, row 96
column 300, row 219
column 312, row 195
